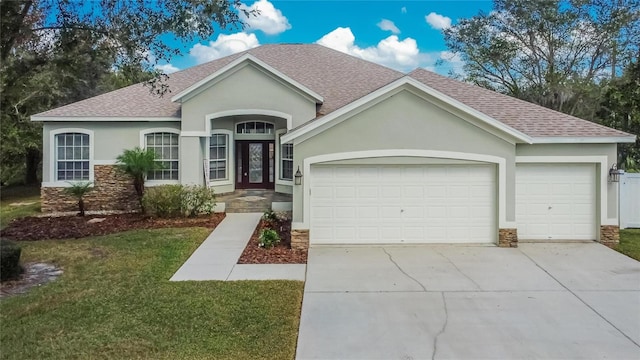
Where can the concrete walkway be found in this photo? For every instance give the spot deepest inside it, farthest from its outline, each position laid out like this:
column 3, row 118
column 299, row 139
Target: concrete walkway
column 539, row 301
column 217, row 256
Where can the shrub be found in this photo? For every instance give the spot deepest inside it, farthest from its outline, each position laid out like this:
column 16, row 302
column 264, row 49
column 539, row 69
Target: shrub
column 268, row 238
column 137, row 163
column 9, row 260
column 197, row 200
column 178, row 200
column 163, row 201
column 79, row 190
column 270, row 217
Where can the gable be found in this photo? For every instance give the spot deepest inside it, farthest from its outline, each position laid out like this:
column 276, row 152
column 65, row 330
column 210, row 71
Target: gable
column 405, row 121
column 246, row 87
column 422, row 91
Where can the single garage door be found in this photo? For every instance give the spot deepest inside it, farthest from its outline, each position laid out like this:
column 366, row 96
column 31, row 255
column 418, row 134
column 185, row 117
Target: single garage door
column 556, row 201
column 384, row 204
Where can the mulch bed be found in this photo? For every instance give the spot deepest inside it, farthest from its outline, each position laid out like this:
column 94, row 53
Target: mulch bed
column 74, row 227
column 279, row 254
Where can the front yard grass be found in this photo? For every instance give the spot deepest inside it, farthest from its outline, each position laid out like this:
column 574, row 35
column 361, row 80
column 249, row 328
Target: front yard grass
column 115, row 301
column 630, row 243
column 18, row 194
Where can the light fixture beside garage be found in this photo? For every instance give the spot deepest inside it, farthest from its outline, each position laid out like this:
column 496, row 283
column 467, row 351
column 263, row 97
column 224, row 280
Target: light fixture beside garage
column 298, row 177
column 614, row 173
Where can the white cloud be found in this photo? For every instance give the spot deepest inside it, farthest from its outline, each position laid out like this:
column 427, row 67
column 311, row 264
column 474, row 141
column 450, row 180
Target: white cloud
column 388, row 25
column 270, row 20
column 167, row 68
column 403, row 10
column 452, row 62
column 399, row 54
column 224, row 45
column 437, row 21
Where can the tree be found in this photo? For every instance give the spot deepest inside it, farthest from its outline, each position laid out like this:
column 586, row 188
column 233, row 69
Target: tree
column 79, row 190
column 620, row 109
column 54, row 52
column 137, row 163
column 553, row 53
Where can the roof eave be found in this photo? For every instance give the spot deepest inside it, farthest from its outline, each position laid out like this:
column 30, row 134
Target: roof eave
column 584, row 139
column 248, row 58
column 39, row 118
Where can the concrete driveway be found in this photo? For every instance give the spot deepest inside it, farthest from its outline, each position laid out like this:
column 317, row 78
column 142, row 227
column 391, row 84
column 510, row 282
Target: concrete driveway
column 539, row 301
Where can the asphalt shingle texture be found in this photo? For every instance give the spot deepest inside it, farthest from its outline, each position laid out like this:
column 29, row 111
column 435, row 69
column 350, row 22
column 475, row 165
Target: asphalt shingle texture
column 340, row 79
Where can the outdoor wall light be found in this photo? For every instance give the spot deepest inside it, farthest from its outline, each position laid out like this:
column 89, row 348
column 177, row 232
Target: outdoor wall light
column 614, row 173
column 298, row 177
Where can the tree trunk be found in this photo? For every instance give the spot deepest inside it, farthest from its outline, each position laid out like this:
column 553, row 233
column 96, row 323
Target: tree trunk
column 81, row 206
column 32, row 159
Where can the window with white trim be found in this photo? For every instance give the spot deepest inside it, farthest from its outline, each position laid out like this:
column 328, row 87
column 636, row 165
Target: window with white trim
column 286, row 161
column 165, row 145
column 72, row 156
column 218, row 156
column 254, row 127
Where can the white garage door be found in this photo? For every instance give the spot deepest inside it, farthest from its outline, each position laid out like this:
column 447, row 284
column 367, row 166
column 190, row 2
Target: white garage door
column 402, row 204
column 556, row 202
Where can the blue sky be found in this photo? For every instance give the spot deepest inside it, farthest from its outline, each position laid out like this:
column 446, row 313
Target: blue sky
column 399, row 34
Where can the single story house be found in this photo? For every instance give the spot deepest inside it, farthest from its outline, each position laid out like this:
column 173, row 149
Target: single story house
column 380, row 156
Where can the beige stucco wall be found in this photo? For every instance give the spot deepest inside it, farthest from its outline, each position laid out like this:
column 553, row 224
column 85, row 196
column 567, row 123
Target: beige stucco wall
column 406, row 121
column 110, row 138
column 246, row 88
column 599, row 150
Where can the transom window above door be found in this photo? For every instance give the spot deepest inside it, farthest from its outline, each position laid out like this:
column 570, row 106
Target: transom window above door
column 254, row 127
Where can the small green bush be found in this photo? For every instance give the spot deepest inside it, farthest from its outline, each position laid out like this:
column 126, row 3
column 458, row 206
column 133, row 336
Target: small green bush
column 197, row 200
column 163, row 201
column 178, row 200
column 268, row 238
column 270, row 216
column 9, row 260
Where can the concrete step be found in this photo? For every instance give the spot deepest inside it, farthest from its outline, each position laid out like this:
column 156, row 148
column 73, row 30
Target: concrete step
column 246, row 207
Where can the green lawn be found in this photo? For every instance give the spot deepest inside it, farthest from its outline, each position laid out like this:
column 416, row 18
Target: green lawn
column 18, row 194
column 630, row 243
column 114, row 301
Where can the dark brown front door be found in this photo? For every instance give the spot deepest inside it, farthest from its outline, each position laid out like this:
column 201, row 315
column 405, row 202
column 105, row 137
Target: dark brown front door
column 255, row 164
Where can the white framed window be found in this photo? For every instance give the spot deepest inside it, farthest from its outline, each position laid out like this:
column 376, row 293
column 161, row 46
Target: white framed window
column 166, row 147
column 72, row 156
column 219, row 157
column 283, row 160
column 255, row 127
column 286, row 159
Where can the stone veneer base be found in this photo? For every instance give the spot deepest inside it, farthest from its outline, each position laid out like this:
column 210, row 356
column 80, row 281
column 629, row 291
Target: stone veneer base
column 299, row 239
column 112, row 190
column 609, row 235
column 508, row 238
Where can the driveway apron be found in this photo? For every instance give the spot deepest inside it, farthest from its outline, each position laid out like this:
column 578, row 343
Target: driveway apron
column 539, row 301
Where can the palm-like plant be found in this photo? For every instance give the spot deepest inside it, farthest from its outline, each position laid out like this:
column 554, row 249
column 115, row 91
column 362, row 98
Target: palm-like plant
column 79, row 190
column 137, row 163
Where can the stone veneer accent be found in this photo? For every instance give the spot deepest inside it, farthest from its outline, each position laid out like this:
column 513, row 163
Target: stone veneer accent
column 299, row 239
column 508, row 238
column 113, row 190
column 609, row 235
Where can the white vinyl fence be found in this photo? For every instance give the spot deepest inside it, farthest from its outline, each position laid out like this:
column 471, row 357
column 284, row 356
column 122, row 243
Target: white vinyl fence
column 630, row 200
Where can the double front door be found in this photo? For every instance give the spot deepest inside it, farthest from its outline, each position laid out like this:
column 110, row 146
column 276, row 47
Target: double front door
column 255, row 164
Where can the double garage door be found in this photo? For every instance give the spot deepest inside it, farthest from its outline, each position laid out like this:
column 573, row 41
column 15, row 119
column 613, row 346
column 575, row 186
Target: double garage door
column 387, row 204
column 403, row 204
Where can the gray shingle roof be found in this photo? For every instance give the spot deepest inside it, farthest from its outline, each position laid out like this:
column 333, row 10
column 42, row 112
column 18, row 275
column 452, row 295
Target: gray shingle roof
column 528, row 118
column 340, row 79
column 337, row 77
